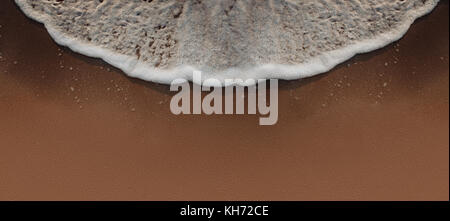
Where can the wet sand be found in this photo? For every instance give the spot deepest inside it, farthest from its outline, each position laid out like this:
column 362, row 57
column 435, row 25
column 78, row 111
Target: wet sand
column 75, row 128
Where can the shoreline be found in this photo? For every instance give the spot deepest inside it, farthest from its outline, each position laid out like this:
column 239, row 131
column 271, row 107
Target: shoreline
column 318, row 65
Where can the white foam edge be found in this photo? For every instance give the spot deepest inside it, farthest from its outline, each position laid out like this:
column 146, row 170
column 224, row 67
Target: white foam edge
column 317, row 65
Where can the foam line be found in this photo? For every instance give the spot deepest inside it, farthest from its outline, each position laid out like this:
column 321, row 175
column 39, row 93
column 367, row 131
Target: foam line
column 317, row 65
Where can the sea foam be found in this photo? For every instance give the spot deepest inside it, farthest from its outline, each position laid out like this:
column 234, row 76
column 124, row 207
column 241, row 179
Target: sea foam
column 163, row 40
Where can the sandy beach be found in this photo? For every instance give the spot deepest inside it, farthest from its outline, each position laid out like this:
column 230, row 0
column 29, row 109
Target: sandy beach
column 75, row 128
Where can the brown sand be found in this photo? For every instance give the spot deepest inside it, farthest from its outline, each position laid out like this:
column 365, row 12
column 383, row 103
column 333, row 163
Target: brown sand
column 74, row 128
